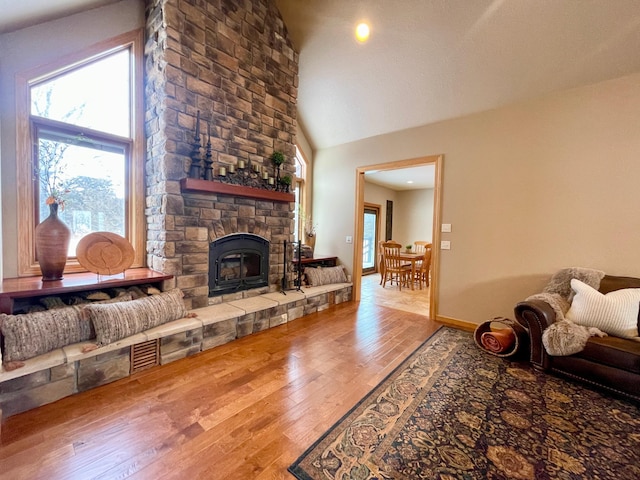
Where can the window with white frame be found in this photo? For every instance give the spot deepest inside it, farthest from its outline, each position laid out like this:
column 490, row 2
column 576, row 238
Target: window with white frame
column 87, row 150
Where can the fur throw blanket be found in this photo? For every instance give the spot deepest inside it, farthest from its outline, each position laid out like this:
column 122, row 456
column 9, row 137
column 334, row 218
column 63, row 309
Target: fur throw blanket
column 565, row 337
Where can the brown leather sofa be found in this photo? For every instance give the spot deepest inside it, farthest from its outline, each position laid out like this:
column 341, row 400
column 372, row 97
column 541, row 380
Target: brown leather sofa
column 610, row 363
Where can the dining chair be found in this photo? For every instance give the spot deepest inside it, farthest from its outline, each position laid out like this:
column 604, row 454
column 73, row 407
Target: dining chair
column 419, row 246
column 381, row 257
column 394, row 269
column 424, row 272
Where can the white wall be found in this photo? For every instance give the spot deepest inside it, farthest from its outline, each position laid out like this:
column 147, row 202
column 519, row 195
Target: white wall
column 31, row 47
column 528, row 189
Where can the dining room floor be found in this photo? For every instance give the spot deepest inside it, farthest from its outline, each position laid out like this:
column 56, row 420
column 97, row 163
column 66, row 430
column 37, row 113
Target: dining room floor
column 407, row 300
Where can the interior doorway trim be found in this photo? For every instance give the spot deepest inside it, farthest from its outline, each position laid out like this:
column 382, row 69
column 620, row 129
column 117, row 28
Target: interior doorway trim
column 436, row 160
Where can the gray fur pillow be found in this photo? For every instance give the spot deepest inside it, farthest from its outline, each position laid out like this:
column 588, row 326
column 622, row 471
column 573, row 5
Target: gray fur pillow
column 560, row 282
column 119, row 320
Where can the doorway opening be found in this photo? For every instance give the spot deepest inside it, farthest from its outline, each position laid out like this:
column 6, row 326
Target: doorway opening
column 371, row 224
column 436, row 161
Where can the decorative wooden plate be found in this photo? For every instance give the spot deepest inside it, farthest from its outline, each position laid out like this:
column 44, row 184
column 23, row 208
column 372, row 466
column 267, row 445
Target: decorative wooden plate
column 105, row 253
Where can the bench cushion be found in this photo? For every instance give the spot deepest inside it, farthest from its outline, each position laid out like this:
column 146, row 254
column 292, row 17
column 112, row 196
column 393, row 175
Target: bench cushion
column 119, row 320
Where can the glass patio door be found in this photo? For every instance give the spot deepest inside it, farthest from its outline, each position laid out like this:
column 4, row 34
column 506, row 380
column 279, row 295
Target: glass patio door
column 370, row 239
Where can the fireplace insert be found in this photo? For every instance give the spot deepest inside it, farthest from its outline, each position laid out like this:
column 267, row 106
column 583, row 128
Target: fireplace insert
column 238, row 262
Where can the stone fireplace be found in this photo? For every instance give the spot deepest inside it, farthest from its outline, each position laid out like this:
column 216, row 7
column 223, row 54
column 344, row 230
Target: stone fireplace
column 232, row 62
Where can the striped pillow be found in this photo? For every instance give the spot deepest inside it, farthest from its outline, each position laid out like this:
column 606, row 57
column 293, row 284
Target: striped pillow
column 317, row 276
column 32, row 334
column 615, row 313
column 119, row 320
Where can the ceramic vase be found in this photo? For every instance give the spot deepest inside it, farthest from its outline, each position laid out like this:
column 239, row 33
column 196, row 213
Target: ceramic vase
column 52, row 244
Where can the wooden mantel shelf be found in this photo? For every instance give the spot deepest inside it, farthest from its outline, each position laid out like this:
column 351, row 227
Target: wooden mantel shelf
column 207, row 186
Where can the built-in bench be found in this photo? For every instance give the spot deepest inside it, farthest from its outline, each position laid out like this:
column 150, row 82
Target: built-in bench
column 72, row 369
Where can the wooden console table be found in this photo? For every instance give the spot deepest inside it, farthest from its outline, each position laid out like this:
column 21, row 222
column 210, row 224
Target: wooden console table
column 317, row 262
column 15, row 289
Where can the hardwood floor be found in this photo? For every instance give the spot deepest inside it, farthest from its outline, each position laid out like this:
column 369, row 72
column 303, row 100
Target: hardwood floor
column 244, row 410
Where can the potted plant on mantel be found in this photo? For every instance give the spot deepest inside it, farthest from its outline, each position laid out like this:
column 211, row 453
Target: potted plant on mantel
column 286, row 182
column 277, row 158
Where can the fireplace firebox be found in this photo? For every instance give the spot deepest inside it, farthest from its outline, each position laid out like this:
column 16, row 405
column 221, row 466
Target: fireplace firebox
column 238, row 262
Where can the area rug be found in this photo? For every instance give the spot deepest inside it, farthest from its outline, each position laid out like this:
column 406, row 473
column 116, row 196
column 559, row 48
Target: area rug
column 452, row 411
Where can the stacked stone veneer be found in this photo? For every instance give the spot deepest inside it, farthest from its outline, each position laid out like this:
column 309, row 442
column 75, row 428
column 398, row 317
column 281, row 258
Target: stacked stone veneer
column 233, row 62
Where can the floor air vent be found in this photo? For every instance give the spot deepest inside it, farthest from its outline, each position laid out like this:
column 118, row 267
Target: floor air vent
column 145, row 355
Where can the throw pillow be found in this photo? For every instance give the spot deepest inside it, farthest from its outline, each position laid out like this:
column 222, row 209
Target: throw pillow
column 615, row 313
column 560, row 282
column 32, row 334
column 119, row 320
column 325, row 275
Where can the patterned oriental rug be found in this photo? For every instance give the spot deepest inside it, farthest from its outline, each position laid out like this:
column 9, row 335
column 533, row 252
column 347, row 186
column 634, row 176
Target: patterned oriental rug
column 452, row 411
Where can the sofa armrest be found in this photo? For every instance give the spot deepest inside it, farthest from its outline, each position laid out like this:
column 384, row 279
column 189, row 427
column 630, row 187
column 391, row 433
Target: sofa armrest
column 536, row 316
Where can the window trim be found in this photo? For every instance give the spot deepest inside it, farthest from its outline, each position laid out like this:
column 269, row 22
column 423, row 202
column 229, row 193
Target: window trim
column 302, row 184
column 134, row 201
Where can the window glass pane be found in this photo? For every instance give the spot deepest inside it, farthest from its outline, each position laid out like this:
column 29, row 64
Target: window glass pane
column 369, row 238
column 300, row 164
column 96, row 95
column 89, row 177
column 296, row 215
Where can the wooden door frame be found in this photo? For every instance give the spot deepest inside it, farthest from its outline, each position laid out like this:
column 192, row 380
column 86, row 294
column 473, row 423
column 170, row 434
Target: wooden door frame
column 436, row 160
column 378, row 209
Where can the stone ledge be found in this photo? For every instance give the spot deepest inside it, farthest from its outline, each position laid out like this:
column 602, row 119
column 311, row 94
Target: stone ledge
column 213, row 325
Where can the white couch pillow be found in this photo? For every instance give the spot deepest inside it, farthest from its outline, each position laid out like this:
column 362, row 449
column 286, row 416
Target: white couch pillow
column 615, row 313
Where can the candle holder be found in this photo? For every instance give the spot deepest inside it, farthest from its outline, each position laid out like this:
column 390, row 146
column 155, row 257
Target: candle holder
column 195, row 168
column 208, row 162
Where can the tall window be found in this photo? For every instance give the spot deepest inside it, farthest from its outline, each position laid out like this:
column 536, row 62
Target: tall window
column 301, row 213
column 86, row 156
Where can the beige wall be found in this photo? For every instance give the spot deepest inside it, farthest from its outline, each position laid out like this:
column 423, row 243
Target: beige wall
column 31, row 47
column 528, row 189
column 414, row 211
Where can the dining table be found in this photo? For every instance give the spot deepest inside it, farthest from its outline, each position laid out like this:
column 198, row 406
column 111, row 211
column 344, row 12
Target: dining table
column 414, row 258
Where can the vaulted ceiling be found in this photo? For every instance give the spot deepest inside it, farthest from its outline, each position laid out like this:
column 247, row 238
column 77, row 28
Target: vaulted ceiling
column 431, row 60
column 427, row 60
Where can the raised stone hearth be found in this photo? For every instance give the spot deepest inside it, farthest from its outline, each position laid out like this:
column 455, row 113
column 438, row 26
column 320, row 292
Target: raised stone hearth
column 69, row 370
column 234, row 63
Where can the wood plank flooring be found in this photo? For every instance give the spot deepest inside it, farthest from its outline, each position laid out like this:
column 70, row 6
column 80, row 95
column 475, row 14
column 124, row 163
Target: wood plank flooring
column 245, row 410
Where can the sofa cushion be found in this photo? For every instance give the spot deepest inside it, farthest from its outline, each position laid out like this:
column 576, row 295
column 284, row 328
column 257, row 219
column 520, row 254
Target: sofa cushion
column 613, row 351
column 119, row 320
column 615, row 313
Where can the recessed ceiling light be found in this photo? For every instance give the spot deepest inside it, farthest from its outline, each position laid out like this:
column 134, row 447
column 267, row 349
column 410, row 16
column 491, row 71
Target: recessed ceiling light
column 409, row 181
column 362, row 32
